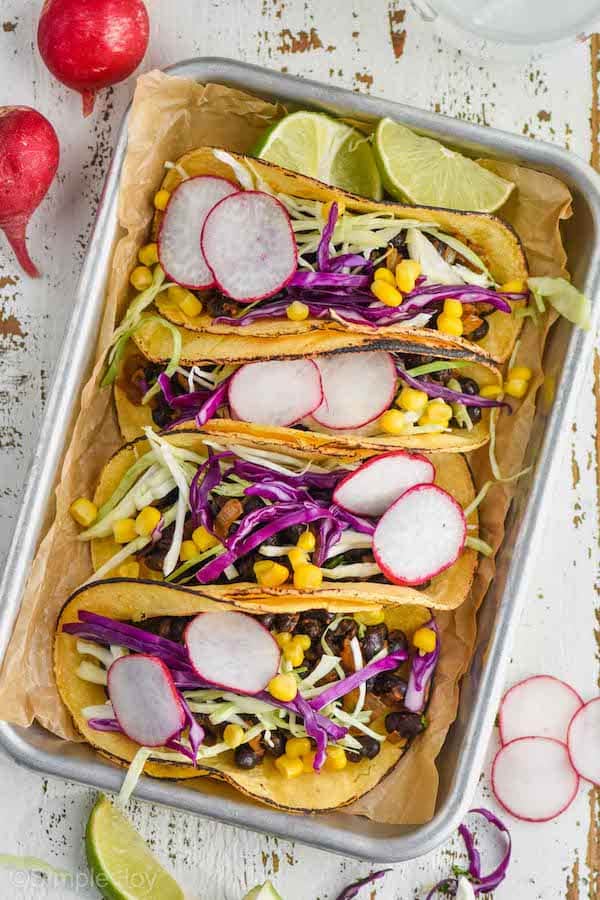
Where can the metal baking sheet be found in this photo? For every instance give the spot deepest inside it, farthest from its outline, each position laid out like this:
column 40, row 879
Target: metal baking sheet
column 568, row 354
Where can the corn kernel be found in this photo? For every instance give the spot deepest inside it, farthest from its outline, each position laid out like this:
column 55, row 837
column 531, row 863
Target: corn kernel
column 425, row 639
column 283, row 638
column 448, row 325
column 124, row 531
column 308, row 763
column 283, row 687
column 393, row 422
column 297, row 557
column 523, row 373
column 516, row 286
column 83, row 511
column 370, row 617
column 294, row 654
column 141, row 278
column 147, row 520
column 387, row 294
column 412, row 400
column 491, row 391
column 148, row 254
column 129, row 570
column 203, row 539
column 295, row 747
column 188, row 551
column 190, row 306
column 308, row 577
column 516, row 387
column 161, row 198
column 297, row 311
column 453, row 308
column 384, row 274
column 437, row 412
column 336, row 759
column 303, row 640
column 306, row 542
column 233, row 735
column 289, row 767
column 270, row 574
column 407, row 272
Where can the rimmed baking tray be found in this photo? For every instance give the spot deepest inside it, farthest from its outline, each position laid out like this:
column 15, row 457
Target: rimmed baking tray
column 567, row 356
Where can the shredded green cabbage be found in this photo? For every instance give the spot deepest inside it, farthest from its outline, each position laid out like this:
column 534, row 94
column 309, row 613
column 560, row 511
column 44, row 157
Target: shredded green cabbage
column 134, row 772
column 480, row 546
column 564, row 297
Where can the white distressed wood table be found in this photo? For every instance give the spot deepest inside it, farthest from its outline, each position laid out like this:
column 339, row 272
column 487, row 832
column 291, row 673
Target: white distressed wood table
column 383, row 47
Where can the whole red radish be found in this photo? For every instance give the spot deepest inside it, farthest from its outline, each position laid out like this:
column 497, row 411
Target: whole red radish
column 91, row 44
column 29, row 153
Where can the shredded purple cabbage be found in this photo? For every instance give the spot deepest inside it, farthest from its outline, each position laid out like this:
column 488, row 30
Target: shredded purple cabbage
column 313, row 730
column 349, row 261
column 206, row 478
column 435, row 389
column 326, row 235
column 193, row 400
column 448, row 887
column 421, row 673
column 252, row 471
column 276, row 490
column 329, row 531
column 329, row 280
column 215, row 399
column 345, row 685
column 353, row 889
column 195, row 729
column 105, row 725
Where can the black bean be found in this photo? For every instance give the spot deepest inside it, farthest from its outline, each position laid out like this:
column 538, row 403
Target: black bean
column 468, row 386
column 397, row 641
column 389, row 683
column 474, row 413
column 267, row 620
column 347, row 628
column 480, row 332
column 405, row 724
column 277, row 745
column 310, row 626
column 245, row 757
column 374, row 640
column 286, row 621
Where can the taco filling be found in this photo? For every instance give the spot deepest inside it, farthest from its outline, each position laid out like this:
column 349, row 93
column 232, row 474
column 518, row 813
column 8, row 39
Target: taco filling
column 305, row 691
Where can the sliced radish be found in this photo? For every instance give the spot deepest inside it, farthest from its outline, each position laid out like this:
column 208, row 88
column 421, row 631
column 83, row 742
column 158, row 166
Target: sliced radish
column 179, row 239
column 420, row 535
column 276, row 392
column 232, row 650
column 533, row 779
column 378, row 483
column 541, row 706
column 583, row 740
column 249, row 245
column 357, row 388
column 145, row 700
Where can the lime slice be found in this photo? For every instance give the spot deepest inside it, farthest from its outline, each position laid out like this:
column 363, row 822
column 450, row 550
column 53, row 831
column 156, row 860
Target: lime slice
column 423, row 171
column 122, row 866
column 264, row 891
column 321, row 147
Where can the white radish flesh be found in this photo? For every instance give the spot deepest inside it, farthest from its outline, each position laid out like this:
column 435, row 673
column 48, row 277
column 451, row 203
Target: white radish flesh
column 584, row 741
column 145, row 700
column 357, row 388
column 420, row 535
column 541, row 706
column 249, row 245
column 276, row 392
column 232, row 650
column 533, row 779
column 379, row 482
column 179, row 247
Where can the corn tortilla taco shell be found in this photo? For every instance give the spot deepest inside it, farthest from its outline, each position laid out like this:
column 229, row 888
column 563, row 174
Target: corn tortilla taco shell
column 445, row 591
column 130, row 600
column 491, row 238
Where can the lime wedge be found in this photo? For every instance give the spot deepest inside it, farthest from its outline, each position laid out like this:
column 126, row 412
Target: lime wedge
column 264, row 891
column 121, row 864
column 420, row 170
column 316, row 145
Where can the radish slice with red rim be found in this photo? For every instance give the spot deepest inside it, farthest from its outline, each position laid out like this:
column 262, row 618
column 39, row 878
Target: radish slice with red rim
column 275, row 392
column 357, row 388
column 179, row 247
column 540, row 706
column 380, row 481
column 145, row 700
column 583, row 741
column 420, row 535
column 232, row 650
column 249, row 245
column 533, row 779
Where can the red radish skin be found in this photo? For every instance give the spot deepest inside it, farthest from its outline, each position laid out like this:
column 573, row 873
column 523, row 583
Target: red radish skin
column 540, row 706
column 91, row 44
column 29, row 154
column 372, row 488
column 357, row 388
column 533, row 779
column 583, row 741
column 275, row 392
column 145, row 700
column 232, row 650
column 179, row 247
column 249, row 245
column 394, row 517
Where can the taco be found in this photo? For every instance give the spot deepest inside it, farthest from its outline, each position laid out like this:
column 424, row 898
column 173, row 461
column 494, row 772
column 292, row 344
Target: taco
column 302, row 708
column 415, row 397
column 288, row 255
column 249, row 518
